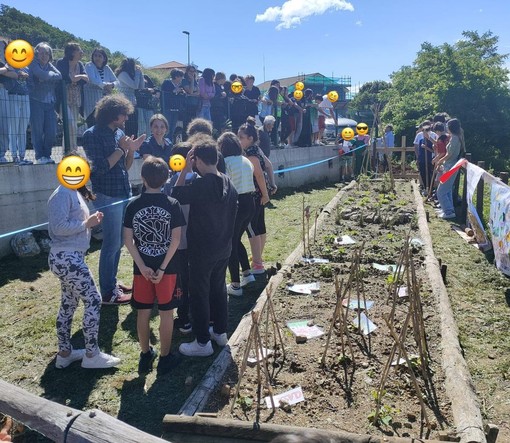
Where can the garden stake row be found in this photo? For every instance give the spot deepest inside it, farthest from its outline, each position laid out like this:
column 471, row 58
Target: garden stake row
column 254, row 337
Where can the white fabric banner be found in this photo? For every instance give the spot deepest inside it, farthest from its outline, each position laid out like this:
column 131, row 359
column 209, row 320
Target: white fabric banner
column 500, row 225
column 473, row 174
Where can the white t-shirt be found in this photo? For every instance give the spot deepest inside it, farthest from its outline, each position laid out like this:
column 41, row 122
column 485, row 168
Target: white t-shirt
column 419, row 137
column 327, row 107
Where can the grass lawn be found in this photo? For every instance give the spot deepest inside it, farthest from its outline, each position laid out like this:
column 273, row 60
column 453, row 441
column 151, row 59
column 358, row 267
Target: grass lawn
column 30, row 296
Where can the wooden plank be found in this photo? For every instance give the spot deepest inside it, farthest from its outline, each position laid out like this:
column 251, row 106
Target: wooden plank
column 219, row 429
column 64, row 424
column 97, row 427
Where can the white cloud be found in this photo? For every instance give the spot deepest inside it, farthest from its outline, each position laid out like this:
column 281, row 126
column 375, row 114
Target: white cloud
column 359, row 23
column 292, row 12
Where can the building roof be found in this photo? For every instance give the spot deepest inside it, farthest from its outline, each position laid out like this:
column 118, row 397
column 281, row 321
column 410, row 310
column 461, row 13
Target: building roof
column 170, row 65
column 315, row 78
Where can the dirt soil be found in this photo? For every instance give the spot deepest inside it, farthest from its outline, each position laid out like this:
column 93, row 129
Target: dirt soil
column 342, row 394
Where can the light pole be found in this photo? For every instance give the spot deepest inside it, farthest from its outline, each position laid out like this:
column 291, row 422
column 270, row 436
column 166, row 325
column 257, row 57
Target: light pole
column 187, row 33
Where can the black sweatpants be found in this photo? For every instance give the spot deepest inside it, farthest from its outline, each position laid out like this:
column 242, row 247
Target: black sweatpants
column 208, row 296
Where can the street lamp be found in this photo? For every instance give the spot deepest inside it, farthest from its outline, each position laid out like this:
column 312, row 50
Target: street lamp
column 187, row 33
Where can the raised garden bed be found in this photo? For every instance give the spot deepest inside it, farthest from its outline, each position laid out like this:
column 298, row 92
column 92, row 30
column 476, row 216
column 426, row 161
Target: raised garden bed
column 342, row 388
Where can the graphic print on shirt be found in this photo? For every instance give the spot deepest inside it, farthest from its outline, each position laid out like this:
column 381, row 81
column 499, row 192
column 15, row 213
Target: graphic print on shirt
column 152, row 228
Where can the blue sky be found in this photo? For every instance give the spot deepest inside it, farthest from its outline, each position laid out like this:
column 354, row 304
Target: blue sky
column 366, row 40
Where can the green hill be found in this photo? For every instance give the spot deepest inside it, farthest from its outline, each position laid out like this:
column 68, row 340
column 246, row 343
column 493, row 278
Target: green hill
column 15, row 24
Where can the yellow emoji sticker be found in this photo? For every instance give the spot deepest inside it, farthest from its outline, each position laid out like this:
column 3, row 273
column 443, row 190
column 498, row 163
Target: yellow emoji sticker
column 362, row 128
column 177, row 162
column 347, row 133
column 19, row 54
column 73, row 172
column 333, row 96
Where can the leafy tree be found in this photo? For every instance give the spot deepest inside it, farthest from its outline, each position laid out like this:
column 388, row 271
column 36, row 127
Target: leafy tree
column 370, row 94
column 468, row 80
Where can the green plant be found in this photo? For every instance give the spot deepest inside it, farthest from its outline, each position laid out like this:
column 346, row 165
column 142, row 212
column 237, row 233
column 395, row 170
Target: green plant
column 245, row 402
column 329, row 239
column 385, row 414
column 326, row 271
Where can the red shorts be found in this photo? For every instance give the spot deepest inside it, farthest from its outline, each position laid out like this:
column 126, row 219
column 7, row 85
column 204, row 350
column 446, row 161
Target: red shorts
column 167, row 293
column 322, row 122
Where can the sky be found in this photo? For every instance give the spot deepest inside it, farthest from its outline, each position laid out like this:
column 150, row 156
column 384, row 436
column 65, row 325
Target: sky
column 365, row 40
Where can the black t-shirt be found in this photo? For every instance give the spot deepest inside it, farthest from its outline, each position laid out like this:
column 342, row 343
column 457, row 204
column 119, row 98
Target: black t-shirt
column 252, row 107
column 170, row 101
column 151, row 147
column 213, row 206
column 152, row 218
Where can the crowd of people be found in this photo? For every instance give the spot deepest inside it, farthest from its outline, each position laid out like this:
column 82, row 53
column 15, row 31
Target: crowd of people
column 439, row 144
column 68, row 89
column 183, row 231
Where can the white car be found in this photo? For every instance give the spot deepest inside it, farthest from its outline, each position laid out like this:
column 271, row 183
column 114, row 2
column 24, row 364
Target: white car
column 329, row 132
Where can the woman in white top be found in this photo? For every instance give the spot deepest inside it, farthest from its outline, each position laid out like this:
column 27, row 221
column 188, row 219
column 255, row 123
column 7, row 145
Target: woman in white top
column 240, row 171
column 101, row 82
column 130, row 78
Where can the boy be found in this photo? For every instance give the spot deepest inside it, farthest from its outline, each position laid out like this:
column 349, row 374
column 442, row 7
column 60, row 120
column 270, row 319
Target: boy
column 152, row 231
column 213, row 206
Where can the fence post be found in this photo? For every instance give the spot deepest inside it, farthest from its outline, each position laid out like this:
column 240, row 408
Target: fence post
column 65, row 118
column 403, row 156
column 504, row 177
column 479, row 193
column 463, row 207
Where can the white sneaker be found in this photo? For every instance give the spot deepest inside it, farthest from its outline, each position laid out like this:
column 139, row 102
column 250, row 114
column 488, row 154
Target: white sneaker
column 220, row 339
column 194, row 349
column 232, row 290
column 246, row 279
column 64, row 362
column 99, row 361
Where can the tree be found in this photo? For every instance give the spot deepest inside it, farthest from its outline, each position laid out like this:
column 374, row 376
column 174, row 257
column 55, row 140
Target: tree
column 468, row 80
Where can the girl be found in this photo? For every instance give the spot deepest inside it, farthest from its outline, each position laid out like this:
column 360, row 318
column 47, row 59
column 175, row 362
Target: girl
column 207, row 92
column 69, row 228
column 157, row 144
column 454, row 151
column 257, row 228
column 240, row 171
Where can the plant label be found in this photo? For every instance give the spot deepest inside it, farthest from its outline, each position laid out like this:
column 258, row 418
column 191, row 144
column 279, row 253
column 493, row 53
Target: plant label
column 306, row 288
column 314, row 260
column 344, row 240
column 291, row 397
column 358, row 304
column 363, row 322
column 402, row 291
column 300, row 328
column 384, row 268
column 252, row 360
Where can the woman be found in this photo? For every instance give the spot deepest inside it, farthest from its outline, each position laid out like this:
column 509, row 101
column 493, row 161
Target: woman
column 257, row 228
column 101, row 82
column 69, row 228
column 190, row 86
column 43, row 78
column 157, row 145
column 207, row 92
column 219, row 107
column 74, row 76
column 455, row 149
column 240, row 171
column 18, row 113
column 264, row 134
column 130, row 78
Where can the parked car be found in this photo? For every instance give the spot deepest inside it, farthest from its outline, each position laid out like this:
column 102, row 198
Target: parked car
column 329, row 132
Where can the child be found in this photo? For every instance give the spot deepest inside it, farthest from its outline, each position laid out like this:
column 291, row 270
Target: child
column 182, row 322
column 69, row 228
column 346, row 159
column 314, row 118
column 152, row 231
column 213, row 205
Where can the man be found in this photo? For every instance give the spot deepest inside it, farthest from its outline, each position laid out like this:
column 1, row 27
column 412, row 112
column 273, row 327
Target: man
column 173, row 99
column 326, row 110
column 111, row 152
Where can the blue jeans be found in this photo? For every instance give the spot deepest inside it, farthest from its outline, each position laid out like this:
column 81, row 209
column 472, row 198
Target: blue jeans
column 172, row 118
column 112, row 240
column 444, row 195
column 4, row 121
column 43, row 124
column 205, row 112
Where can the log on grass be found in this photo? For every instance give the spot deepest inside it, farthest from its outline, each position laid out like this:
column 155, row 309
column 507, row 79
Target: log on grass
column 64, row 424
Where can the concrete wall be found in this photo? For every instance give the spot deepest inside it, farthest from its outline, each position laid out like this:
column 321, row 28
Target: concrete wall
column 24, row 190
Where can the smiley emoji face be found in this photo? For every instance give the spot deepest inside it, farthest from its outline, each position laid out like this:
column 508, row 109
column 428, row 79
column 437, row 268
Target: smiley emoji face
column 347, row 134
column 299, row 86
column 333, row 96
column 236, row 87
column 362, row 128
column 19, row 54
column 298, row 94
column 177, row 162
column 73, row 172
